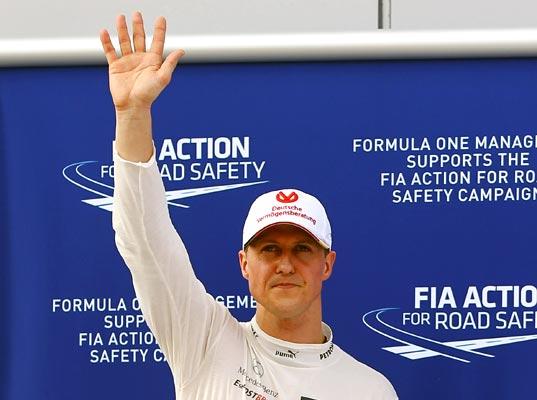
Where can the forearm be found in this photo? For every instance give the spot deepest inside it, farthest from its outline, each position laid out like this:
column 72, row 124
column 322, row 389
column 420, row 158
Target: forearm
column 134, row 138
column 175, row 303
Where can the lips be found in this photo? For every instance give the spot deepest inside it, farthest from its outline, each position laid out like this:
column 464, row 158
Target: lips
column 285, row 285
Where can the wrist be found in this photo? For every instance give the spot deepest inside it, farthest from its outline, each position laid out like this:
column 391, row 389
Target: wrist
column 133, row 113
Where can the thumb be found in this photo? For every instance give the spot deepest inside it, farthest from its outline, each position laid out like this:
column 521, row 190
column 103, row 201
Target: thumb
column 169, row 64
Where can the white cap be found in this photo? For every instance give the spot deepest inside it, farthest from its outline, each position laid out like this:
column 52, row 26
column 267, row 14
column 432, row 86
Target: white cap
column 288, row 206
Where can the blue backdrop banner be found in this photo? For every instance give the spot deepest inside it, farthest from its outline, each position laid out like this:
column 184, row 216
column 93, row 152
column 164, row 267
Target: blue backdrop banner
column 427, row 169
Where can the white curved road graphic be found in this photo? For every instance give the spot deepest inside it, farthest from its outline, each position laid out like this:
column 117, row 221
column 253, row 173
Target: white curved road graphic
column 73, row 174
column 417, row 347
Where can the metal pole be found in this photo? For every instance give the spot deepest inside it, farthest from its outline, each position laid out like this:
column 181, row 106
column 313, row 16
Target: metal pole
column 385, row 14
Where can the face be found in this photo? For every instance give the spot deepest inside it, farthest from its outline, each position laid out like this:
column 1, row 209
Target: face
column 285, row 268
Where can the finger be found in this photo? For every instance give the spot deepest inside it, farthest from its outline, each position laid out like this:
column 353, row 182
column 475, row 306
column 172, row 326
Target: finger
column 138, row 33
column 123, row 35
column 108, row 47
column 169, row 64
column 159, row 34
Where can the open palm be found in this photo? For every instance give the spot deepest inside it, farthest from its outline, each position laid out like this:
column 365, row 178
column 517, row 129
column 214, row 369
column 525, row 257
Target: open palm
column 138, row 77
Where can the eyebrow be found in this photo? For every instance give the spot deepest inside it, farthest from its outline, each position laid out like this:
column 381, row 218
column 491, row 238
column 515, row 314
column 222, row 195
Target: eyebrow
column 263, row 240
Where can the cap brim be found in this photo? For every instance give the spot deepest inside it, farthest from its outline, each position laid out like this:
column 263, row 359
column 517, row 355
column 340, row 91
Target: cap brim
column 249, row 241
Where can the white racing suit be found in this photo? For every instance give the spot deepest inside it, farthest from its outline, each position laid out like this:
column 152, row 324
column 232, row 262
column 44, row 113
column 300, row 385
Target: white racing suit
column 212, row 356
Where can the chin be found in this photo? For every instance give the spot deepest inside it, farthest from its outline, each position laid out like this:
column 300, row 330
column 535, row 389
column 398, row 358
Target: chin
column 287, row 309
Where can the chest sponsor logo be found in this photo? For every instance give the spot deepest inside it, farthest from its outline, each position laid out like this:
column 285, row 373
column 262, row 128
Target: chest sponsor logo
column 491, row 315
column 261, row 390
column 250, row 393
column 257, row 367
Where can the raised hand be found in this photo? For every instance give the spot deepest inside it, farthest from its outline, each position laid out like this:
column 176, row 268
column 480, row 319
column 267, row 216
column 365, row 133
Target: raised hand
column 138, row 76
column 136, row 79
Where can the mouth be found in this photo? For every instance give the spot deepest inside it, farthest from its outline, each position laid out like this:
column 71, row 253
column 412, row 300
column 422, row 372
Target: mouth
column 285, row 286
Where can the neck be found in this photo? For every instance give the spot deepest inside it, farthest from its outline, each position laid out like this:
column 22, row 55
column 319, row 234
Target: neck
column 301, row 329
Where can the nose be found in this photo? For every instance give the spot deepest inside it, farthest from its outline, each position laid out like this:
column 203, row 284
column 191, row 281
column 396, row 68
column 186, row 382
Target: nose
column 285, row 265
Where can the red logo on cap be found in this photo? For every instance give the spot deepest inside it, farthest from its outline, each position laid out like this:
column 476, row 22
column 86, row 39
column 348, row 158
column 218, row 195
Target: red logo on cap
column 283, row 198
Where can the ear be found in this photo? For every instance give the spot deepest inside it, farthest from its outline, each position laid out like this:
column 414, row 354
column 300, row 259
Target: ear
column 243, row 264
column 329, row 261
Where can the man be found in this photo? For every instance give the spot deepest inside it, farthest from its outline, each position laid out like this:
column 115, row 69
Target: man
column 285, row 351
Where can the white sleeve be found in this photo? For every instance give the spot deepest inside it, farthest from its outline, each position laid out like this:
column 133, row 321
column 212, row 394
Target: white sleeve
column 185, row 320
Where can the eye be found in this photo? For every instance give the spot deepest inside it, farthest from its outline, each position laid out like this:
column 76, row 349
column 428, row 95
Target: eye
column 303, row 248
column 269, row 248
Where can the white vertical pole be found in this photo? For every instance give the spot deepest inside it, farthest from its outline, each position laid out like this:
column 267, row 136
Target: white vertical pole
column 385, row 14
